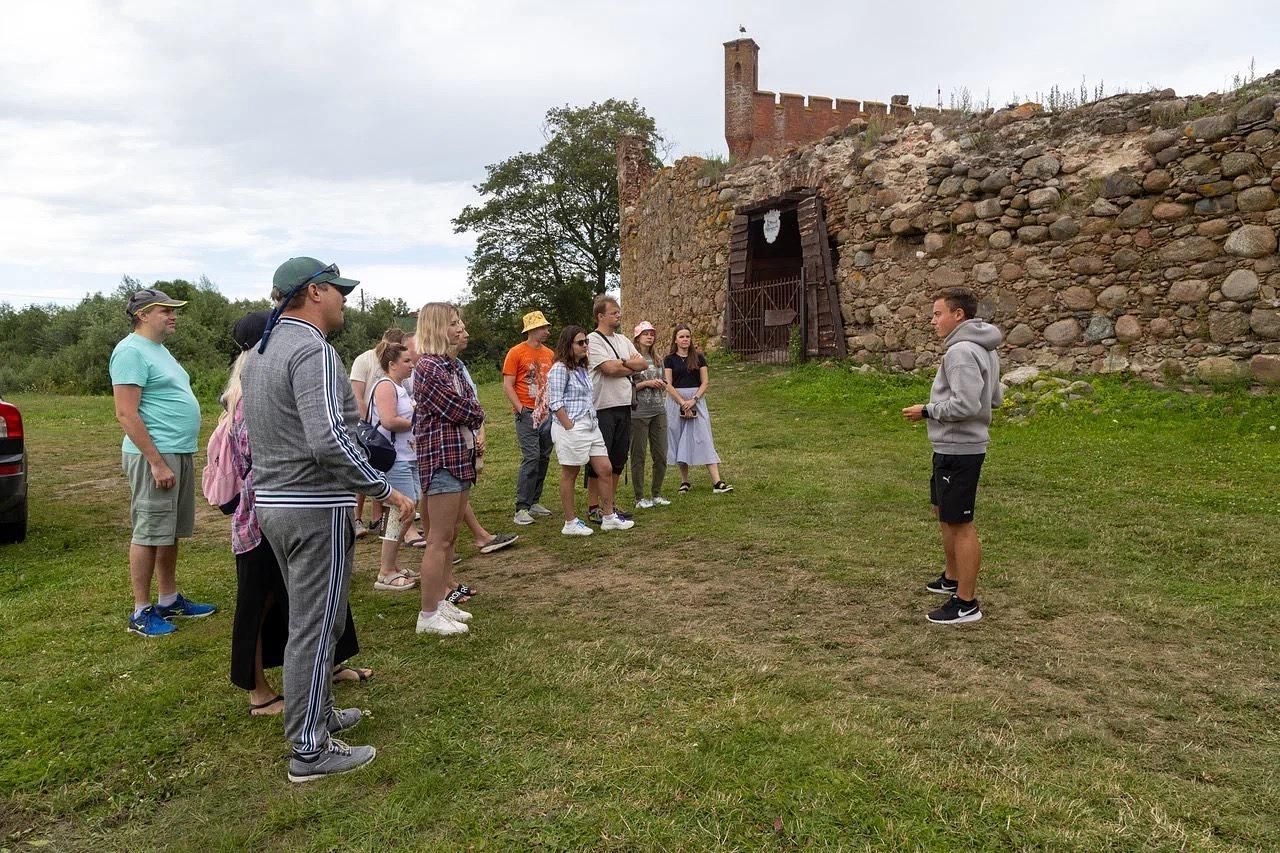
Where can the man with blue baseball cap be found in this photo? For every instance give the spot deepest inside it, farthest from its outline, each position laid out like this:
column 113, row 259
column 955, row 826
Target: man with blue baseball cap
column 307, row 470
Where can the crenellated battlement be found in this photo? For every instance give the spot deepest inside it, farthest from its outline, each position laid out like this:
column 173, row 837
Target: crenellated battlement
column 758, row 122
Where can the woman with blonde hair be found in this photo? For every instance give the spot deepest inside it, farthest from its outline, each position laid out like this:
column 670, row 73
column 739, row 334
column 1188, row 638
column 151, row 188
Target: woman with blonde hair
column 446, row 416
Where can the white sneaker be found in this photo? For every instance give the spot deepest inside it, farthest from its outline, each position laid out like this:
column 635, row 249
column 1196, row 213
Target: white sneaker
column 644, row 503
column 659, row 500
column 523, row 516
column 440, row 625
column 577, row 527
column 453, row 611
column 539, row 511
column 616, row 522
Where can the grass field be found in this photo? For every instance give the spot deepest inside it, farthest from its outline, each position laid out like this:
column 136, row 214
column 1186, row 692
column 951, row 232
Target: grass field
column 750, row 671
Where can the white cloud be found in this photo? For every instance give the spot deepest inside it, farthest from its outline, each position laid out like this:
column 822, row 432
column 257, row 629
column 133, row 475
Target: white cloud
column 169, row 140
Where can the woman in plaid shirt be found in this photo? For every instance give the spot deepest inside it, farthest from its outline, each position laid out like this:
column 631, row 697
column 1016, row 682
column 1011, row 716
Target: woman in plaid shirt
column 575, row 432
column 446, row 415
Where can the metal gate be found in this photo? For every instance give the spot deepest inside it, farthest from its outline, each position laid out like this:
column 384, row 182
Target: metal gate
column 762, row 318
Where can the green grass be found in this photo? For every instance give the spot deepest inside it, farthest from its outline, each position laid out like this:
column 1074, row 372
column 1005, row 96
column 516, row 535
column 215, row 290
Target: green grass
column 750, row 671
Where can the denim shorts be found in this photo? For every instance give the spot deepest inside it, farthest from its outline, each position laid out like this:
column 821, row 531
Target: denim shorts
column 403, row 477
column 444, row 483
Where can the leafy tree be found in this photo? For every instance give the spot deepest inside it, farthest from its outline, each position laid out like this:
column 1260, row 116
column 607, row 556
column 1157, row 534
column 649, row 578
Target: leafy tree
column 66, row 349
column 547, row 228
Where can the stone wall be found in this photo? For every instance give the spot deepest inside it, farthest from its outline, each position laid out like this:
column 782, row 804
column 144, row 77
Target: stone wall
column 1137, row 233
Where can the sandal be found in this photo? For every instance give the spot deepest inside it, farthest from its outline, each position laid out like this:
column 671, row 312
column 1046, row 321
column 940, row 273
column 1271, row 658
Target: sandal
column 498, row 542
column 360, row 674
column 720, row 487
column 684, row 487
column 390, row 582
column 416, row 543
column 261, row 710
column 459, row 594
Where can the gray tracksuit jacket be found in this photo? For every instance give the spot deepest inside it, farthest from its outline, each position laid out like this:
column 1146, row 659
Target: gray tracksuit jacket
column 966, row 388
column 301, row 417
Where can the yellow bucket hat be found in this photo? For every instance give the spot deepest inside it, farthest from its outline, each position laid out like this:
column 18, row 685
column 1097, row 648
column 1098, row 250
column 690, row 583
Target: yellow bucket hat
column 534, row 320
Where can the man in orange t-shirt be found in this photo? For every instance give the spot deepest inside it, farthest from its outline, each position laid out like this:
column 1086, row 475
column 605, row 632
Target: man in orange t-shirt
column 524, row 381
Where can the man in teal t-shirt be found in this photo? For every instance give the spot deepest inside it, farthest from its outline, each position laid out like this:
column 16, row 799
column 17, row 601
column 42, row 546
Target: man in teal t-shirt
column 161, row 421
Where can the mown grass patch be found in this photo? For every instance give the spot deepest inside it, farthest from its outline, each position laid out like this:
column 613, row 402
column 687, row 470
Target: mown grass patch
column 742, row 671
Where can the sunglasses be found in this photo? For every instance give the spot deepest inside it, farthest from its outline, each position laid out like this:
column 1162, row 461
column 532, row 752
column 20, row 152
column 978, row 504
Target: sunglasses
column 581, row 343
column 284, row 300
column 332, row 268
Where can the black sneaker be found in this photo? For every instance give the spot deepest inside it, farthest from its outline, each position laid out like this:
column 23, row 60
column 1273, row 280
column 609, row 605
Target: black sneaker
column 943, row 585
column 956, row 612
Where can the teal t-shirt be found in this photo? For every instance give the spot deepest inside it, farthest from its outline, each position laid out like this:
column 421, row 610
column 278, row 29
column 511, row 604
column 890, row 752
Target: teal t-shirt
column 168, row 409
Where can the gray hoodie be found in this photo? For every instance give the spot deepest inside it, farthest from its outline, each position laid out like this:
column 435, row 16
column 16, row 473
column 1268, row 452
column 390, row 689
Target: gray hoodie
column 965, row 389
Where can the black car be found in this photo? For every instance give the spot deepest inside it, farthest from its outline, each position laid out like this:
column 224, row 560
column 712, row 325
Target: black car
column 13, row 475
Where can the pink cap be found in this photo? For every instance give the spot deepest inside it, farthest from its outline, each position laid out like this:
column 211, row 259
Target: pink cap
column 642, row 327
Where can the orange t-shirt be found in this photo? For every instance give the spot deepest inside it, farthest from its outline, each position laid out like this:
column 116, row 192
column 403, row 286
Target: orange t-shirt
column 529, row 366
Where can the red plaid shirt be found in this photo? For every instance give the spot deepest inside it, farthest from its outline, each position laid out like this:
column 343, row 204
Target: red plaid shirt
column 445, row 415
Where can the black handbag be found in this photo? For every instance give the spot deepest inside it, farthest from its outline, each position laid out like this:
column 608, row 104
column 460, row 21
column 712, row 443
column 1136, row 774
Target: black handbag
column 377, row 447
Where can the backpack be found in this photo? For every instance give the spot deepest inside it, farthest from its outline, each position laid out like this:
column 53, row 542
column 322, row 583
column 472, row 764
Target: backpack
column 220, row 482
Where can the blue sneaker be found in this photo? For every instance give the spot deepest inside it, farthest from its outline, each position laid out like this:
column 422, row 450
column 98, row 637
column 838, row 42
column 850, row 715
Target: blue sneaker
column 185, row 608
column 148, row 623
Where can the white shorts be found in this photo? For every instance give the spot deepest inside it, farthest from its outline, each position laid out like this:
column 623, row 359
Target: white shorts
column 578, row 445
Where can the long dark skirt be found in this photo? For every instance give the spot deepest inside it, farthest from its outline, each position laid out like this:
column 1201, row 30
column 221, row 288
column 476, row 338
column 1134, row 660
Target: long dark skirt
column 259, row 588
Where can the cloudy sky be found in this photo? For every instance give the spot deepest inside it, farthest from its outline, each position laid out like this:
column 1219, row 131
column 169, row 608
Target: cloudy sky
column 173, row 140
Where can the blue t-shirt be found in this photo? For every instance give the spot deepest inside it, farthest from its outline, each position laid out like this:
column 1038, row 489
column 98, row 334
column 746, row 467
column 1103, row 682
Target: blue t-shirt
column 167, row 407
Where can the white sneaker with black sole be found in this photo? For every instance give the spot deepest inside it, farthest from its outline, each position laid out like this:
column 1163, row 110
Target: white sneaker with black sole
column 956, row 612
column 336, row 758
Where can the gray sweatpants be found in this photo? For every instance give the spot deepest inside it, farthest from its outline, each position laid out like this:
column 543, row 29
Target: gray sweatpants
column 535, row 454
column 315, row 549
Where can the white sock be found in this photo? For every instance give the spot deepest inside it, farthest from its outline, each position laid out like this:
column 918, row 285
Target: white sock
column 427, row 614
column 168, row 599
column 138, row 608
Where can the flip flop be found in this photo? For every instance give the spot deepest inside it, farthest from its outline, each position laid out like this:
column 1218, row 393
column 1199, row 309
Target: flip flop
column 390, row 584
column 260, row 710
column 498, row 542
column 362, row 675
column 416, row 543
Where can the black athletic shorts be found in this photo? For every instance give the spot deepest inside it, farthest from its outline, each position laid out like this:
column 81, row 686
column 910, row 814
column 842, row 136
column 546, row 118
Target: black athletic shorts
column 615, row 426
column 953, row 488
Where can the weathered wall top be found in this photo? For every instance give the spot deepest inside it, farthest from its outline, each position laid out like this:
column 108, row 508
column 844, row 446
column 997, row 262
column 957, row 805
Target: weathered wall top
column 759, row 122
column 1138, row 233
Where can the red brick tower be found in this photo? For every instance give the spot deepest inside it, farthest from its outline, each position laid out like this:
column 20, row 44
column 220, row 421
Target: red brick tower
column 741, row 79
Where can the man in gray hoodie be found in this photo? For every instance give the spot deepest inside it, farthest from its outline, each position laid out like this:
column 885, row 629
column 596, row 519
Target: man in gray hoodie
column 307, row 469
column 959, row 413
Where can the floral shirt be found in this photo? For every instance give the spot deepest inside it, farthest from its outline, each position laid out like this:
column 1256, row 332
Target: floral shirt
column 245, row 532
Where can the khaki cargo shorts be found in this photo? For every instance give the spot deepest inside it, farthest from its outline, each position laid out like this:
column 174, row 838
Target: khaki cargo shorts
column 161, row 516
